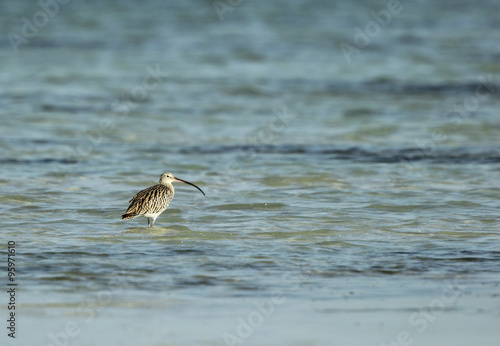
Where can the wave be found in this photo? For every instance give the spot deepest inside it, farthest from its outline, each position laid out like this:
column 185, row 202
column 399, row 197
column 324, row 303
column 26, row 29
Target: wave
column 359, row 154
column 462, row 155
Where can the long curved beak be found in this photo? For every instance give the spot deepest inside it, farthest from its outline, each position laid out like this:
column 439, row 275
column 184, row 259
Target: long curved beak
column 187, row 182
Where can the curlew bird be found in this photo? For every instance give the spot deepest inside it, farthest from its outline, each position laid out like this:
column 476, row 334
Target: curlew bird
column 153, row 201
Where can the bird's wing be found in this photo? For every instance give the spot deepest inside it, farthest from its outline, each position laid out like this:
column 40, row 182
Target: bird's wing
column 152, row 199
column 142, row 194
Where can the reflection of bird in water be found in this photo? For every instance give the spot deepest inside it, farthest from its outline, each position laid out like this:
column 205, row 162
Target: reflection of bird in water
column 153, row 201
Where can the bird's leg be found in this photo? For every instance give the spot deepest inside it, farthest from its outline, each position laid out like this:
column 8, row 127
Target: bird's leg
column 154, row 219
column 149, row 222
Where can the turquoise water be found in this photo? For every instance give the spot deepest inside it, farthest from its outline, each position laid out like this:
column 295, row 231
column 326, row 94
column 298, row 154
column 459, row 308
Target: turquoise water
column 348, row 201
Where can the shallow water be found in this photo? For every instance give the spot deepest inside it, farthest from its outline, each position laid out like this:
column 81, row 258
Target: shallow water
column 347, row 203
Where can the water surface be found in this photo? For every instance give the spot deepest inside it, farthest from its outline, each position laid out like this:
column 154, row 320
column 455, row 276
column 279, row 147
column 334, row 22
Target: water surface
column 349, row 203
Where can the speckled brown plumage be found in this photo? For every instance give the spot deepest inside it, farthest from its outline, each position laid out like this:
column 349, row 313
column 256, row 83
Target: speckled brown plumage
column 153, row 201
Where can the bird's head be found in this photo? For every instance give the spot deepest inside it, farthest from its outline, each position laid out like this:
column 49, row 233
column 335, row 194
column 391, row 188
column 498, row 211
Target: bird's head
column 167, row 178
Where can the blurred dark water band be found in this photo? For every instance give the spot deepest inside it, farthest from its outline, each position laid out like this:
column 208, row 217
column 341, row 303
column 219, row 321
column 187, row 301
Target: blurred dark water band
column 295, row 152
column 360, row 154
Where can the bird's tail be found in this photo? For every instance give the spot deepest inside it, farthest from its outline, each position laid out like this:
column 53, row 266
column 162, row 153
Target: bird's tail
column 127, row 216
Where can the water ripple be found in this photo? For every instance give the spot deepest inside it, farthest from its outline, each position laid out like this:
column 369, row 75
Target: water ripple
column 359, row 154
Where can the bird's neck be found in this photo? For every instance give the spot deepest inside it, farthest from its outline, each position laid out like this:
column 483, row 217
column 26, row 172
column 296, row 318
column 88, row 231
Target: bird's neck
column 168, row 185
